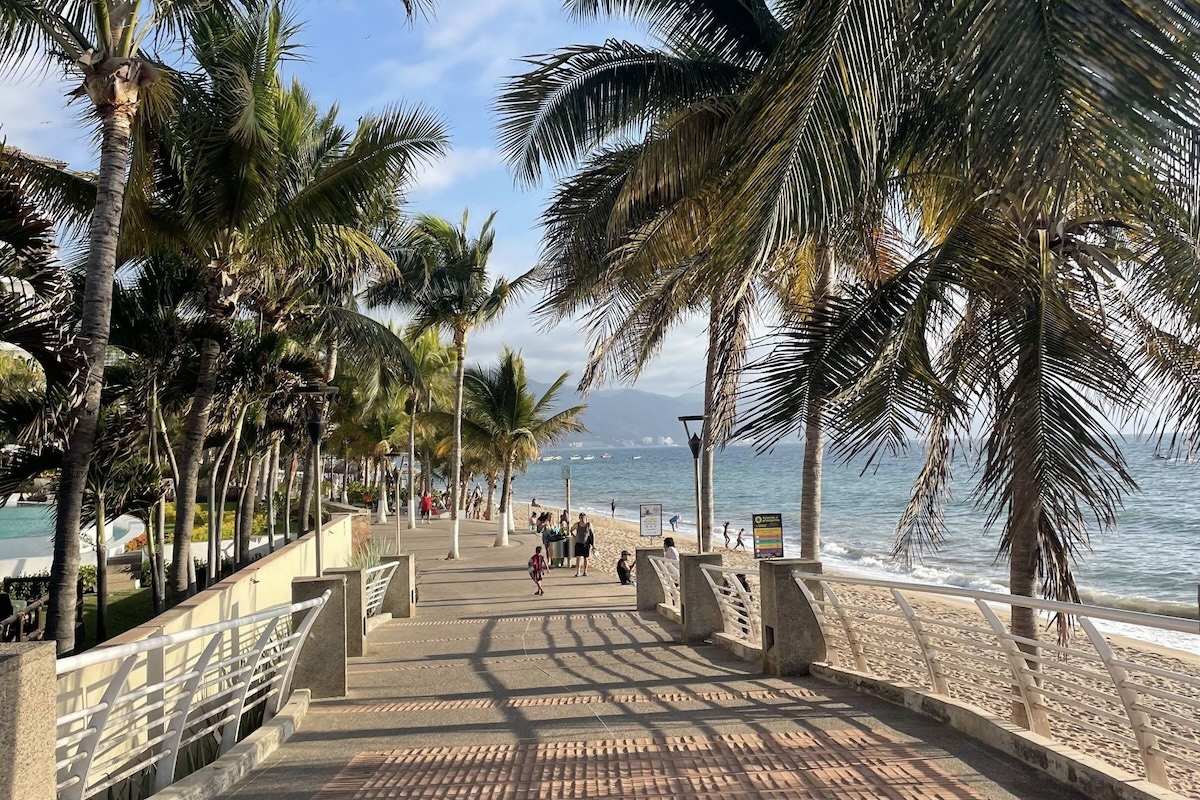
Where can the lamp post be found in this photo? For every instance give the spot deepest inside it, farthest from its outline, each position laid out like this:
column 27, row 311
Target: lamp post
column 320, row 397
column 395, row 455
column 695, row 443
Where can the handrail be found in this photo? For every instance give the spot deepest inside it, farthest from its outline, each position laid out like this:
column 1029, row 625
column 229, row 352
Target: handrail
column 128, row 713
column 739, row 604
column 1105, row 698
column 377, row 580
column 667, row 571
column 19, row 619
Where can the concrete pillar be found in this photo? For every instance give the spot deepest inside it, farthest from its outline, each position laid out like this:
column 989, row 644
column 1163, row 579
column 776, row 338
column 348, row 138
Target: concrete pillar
column 649, row 589
column 701, row 613
column 321, row 665
column 401, row 598
column 791, row 636
column 28, row 688
column 356, row 609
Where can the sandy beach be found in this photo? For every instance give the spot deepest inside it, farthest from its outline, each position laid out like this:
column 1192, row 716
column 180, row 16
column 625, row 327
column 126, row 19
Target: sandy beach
column 975, row 671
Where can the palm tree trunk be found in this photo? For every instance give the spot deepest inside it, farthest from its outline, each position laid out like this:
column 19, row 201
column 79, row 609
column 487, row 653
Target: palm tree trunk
column 246, row 508
column 156, row 519
column 306, row 487
column 218, row 512
column 1023, row 565
column 381, row 501
column 505, row 504
column 412, row 456
column 460, row 356
column 271, row 483
column 491, row 498
column 708, row 432
column 288, row 485
column 115, row 124
column 814, row 426
column 158, row 577
column 214, row 541
column 195, row 431
column 101, row 572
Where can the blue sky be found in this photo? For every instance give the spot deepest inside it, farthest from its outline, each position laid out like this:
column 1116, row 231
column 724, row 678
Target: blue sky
column 362, row 55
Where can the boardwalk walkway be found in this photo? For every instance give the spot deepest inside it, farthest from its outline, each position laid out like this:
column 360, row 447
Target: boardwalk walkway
column 494, row 693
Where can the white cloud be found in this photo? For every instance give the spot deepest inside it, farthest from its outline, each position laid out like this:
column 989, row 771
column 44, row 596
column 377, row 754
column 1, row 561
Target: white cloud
column 459, row 164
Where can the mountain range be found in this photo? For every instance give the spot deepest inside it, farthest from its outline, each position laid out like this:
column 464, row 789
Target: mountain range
column 618, row 417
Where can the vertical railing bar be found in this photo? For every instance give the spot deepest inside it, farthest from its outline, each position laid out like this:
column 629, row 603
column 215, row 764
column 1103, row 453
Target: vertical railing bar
column 1147, row 742
column 936, row 677
column 98, row 721
column 817, row 611
column 229, row 734
column 164, row 774
column 1031, row 696
column 856, row 649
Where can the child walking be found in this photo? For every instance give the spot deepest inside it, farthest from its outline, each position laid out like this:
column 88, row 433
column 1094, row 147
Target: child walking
column 537, row 568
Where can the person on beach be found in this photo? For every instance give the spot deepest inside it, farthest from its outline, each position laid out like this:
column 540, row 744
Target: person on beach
column 669, row 551
column 584, row 540
column 426, row 507
column 726, row 534
column 614, row 508
column 537, row 568
column 534, row 503
column 532, row 521
column 564, row 521
column 625, row 569
column 741, row 539
column 673, row 521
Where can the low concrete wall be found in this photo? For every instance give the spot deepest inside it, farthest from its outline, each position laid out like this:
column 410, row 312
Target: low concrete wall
column 26, row 734
column 1091, row 777
column 744, row 651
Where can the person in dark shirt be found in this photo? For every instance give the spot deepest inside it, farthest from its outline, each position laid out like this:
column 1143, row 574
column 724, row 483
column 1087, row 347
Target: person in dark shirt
column 625, row 568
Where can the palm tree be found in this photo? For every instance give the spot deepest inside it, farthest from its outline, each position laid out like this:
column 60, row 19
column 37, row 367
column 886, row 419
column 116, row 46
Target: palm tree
column 253, row 182
column 434, row 362
column 443, row 281
column 502, row 413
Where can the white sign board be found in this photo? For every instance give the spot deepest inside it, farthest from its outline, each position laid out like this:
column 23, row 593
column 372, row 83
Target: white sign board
column 566, row 472
column 650, row 519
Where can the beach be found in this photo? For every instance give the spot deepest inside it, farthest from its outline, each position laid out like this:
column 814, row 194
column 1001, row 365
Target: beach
column 970, row 677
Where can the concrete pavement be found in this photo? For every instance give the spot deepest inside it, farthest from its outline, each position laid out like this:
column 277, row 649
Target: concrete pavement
column 492, row 692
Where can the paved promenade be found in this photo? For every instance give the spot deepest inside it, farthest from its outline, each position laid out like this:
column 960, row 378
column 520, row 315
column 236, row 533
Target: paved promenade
column 495, row 693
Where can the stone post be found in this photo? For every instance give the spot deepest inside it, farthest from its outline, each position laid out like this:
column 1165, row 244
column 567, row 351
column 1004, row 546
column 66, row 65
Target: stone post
column 700, row 611
column 356, row 609
column 791, row 637
column 649, row 589
column 28, row 688
column 401, row 598
column 321, row 665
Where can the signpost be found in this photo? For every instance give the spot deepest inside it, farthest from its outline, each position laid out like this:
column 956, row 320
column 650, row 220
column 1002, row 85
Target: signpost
column 768, row 535
column 566, row 475
column 650, row 519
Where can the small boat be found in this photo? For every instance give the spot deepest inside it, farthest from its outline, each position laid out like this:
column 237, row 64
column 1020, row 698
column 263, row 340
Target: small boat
column 547, row 458
column 576, row 458
column 637, row 458
column 607, row 455
column 556, row 458
column 589, row 458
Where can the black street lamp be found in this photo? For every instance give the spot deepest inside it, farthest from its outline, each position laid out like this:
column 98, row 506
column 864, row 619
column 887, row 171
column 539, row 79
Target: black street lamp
column 320, row 395
column 694, row 441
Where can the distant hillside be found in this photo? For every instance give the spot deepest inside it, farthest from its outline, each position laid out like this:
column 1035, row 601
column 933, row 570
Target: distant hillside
column 626, row 416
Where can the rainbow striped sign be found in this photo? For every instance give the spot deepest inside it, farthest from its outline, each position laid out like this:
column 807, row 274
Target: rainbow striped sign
column 768, row 535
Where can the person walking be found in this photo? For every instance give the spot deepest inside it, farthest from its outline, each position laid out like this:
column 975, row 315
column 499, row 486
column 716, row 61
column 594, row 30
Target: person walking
column 537, row 568
column 726, row 533
column 584, row 540
column 673, row 522
column 426, row 507
column 741, row 539
column 614, row 508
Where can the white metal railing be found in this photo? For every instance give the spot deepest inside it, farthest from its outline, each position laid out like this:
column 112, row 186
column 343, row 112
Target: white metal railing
column 737, row 599
column 182, row 698
column 377, row 580
column 667, row 571
column 1133, row 707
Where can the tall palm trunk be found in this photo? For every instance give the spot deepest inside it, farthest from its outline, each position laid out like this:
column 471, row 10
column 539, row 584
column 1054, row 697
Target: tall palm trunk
column 460, row 358
column 271, row 482
column 101, row 571
column 412, row 457
column 382, row 500
column 96, row 314
column 195, row 431
column 288, row 485
column 217, row 512
column 505, row 504
column 156, row 519
column 246, row 510
column 491, row 497
column 708, row 435
column 814, row 426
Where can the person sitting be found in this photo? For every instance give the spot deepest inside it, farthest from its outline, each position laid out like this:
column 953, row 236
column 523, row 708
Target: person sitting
column 625, row 569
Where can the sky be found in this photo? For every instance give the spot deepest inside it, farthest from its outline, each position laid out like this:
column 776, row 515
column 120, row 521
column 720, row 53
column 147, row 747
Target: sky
column 363, row 56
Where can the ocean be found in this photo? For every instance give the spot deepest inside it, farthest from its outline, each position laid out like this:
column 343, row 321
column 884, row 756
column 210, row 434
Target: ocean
column 1150, row 563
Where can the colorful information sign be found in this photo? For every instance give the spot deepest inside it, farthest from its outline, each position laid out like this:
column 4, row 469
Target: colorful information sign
column 650, row 519
column 768, row 536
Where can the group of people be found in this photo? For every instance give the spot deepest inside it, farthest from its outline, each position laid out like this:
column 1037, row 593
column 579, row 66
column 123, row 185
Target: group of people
column 585, row 541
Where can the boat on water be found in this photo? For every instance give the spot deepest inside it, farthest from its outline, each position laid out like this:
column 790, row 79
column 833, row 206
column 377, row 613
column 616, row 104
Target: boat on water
column 637, row 458
column 589, row 458
column 556, row 458
column 576, row 458
column 607, row 455
column 547, row 458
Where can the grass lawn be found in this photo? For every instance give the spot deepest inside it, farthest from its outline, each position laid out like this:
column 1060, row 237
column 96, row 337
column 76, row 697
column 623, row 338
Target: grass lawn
column 127, row 608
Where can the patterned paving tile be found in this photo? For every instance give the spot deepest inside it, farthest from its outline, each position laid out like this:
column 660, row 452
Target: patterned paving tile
column 557, row 700
column 834, row 765
column 608, row 615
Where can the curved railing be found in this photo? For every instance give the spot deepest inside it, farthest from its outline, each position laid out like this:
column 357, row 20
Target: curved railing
column 1135, row 707
column 125, row 715
column 667, row 571
column 736, row 594
column 377, row 580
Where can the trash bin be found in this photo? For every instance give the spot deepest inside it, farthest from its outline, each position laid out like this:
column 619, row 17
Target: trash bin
column 557, row 551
